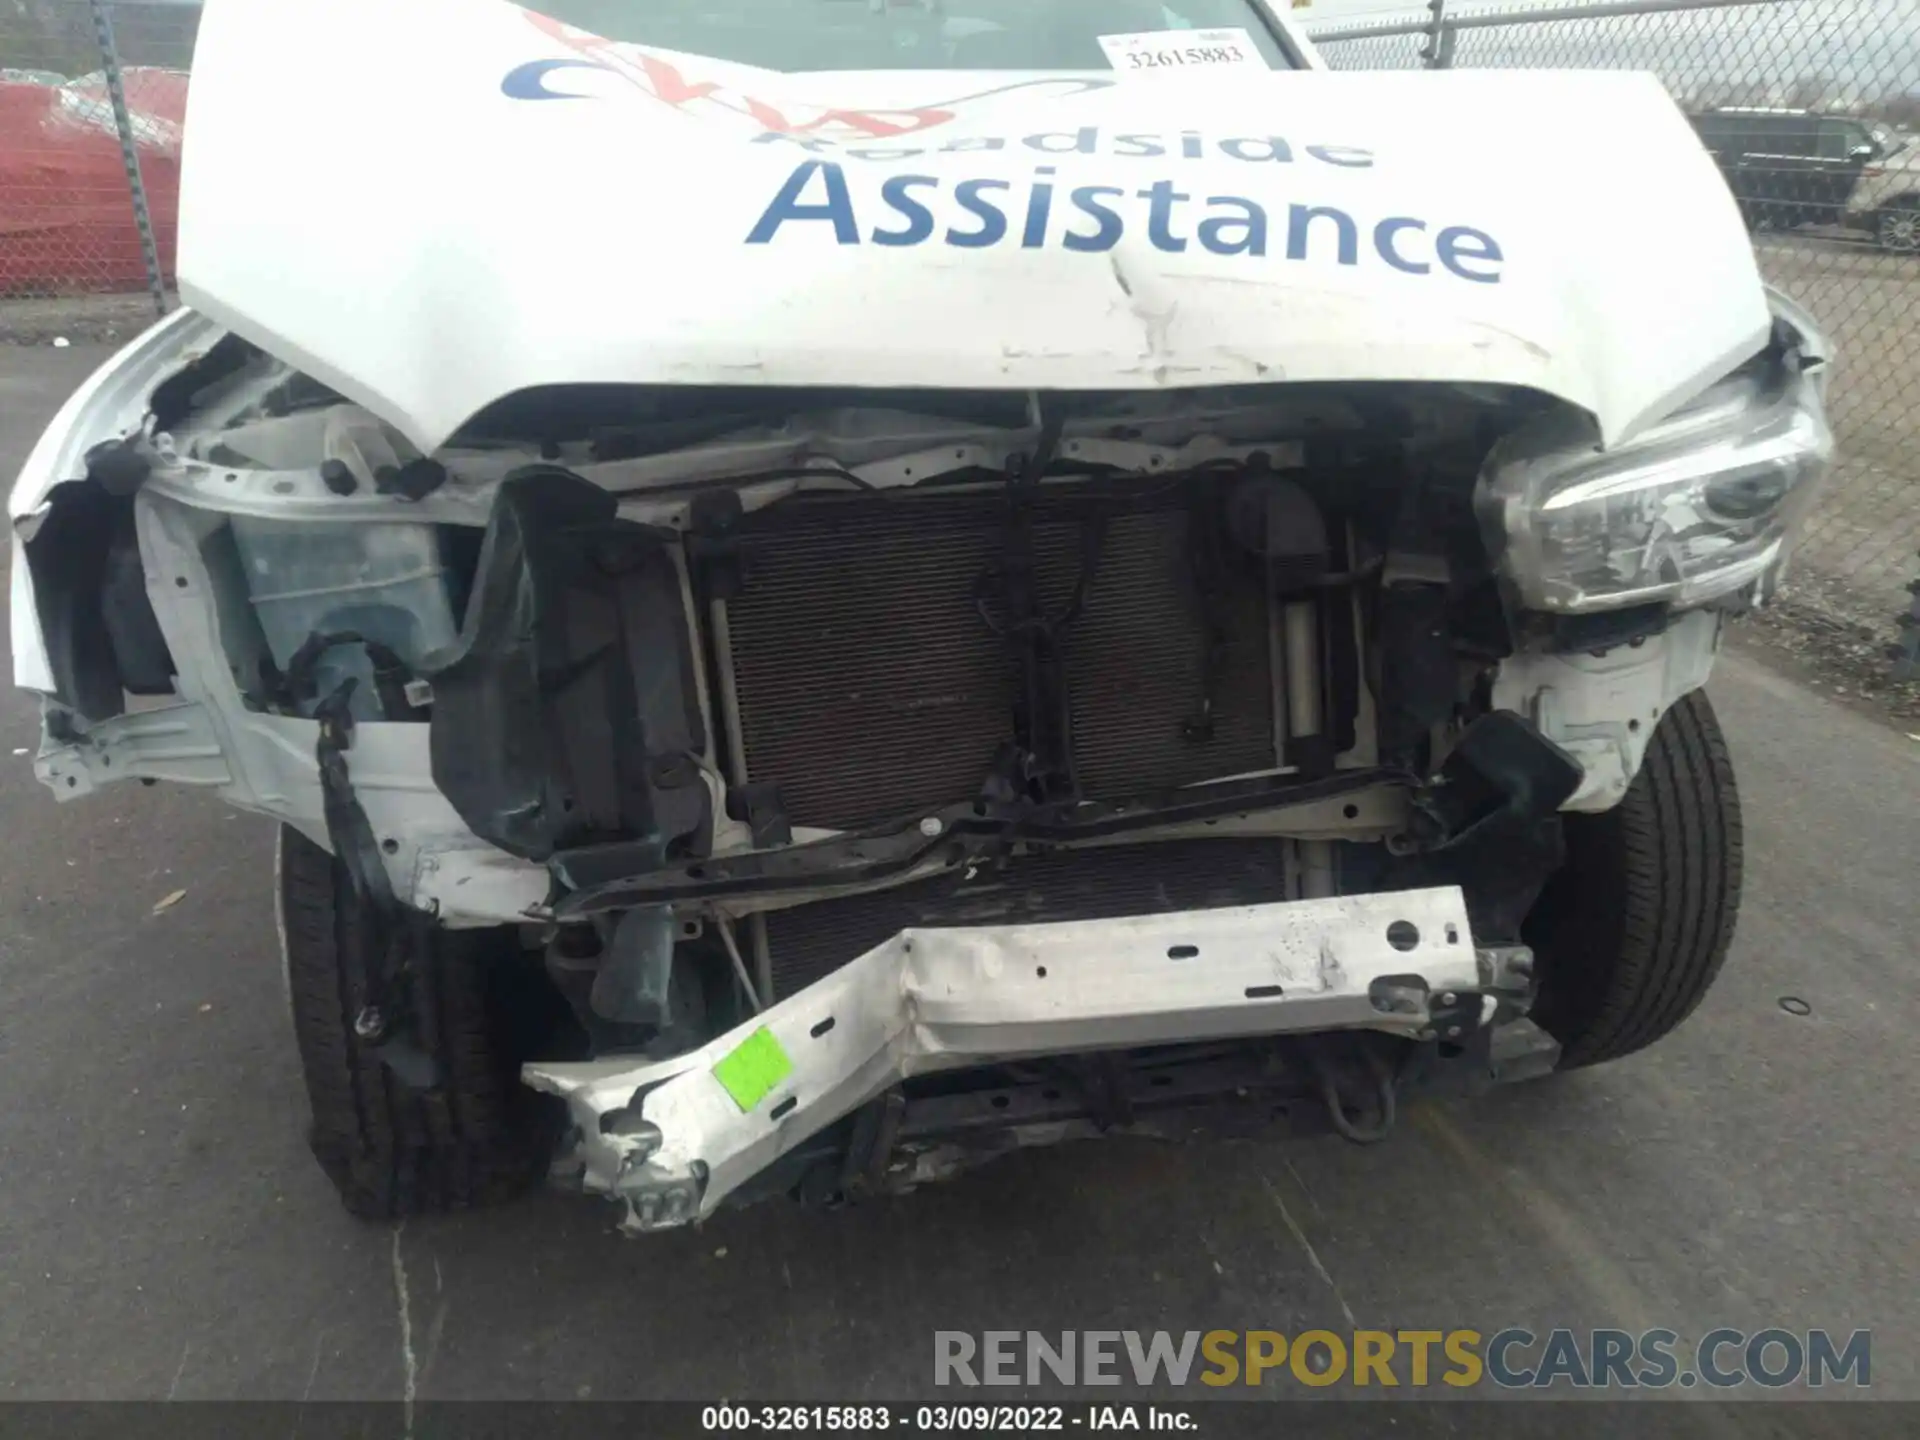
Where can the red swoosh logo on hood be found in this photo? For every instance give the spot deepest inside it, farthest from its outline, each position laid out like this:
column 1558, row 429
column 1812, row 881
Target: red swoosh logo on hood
column 668, row 84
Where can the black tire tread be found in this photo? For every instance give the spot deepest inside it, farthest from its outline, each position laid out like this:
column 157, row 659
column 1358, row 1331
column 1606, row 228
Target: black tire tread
column 391, row 1151
column 1632, row 934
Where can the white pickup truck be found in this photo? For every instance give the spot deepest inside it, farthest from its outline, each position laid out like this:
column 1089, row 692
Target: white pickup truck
column 848, row 586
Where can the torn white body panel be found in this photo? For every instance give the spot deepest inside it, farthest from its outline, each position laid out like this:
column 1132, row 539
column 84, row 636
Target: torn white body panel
column 673, row 1138
column 1602, row 707
column 266, row 763
column 112, row 402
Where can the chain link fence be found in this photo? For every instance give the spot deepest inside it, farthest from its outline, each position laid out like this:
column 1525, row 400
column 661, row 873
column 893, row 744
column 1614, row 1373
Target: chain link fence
column 1811, row 109
column 92, row 102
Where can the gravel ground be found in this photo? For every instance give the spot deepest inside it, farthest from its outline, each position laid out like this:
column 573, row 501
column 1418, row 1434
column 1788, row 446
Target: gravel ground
column 1807, row 633
column 77, row 319
column 1863, row 539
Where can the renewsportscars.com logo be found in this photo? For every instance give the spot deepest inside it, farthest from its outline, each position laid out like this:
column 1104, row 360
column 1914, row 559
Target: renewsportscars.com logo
column 1513, row 1358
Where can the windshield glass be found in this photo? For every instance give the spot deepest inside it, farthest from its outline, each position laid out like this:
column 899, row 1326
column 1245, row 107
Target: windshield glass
column 798, row 35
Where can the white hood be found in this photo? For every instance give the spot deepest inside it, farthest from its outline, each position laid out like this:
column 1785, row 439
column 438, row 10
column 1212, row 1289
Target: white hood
column 430, row 204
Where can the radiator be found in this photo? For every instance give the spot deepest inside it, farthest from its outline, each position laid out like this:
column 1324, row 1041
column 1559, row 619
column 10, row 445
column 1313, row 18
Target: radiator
column 868, row 686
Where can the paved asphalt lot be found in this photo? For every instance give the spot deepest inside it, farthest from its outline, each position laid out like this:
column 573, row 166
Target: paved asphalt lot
column 163, row 1232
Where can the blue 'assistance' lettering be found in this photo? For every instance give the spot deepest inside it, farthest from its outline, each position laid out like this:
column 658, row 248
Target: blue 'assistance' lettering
column 983, row 213
column 1088, row 140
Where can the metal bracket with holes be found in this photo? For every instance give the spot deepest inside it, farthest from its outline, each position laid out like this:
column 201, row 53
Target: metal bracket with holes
column 672, row 1138
column 176, row 742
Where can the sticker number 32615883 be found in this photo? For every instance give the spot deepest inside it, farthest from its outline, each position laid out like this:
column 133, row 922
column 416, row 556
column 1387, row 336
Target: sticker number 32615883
column 1162, row 51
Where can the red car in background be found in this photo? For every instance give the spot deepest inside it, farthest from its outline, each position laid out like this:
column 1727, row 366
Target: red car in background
column 66, row 218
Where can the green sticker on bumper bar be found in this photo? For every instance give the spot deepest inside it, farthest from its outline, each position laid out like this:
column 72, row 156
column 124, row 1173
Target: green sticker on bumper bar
column 756, row 1065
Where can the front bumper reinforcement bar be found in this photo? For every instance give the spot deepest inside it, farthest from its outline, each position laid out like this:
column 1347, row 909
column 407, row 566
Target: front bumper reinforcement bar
column 673, row 1138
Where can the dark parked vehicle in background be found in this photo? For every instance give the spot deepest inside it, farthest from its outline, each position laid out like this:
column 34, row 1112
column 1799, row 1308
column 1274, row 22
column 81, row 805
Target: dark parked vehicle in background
column 1790, row 167
column 1886, row 202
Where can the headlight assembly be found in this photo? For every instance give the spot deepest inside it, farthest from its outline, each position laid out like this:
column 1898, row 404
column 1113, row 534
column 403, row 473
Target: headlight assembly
column 1694, row 508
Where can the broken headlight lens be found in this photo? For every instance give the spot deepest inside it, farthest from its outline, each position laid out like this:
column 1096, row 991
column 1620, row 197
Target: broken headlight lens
column 1694, row 508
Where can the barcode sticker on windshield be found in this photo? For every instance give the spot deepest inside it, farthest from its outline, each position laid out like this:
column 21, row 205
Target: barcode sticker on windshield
column 1162, row 52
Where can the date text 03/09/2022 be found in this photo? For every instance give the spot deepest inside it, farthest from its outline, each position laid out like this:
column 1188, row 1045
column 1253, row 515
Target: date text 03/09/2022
column 939, row 1419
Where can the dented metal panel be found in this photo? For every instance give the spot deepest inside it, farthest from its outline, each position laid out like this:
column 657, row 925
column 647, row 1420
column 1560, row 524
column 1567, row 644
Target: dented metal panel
column 1317, row 226
column 672, row 1138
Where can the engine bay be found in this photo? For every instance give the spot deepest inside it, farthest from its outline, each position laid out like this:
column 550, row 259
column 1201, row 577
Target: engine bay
column 1176, row 748
column 756, row 680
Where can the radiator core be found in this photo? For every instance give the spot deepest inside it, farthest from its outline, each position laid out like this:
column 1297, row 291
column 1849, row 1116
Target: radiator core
column 868, row 684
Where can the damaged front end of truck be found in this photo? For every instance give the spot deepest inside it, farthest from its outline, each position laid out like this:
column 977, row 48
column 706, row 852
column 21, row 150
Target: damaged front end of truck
column 802, row 700
column 886, row 785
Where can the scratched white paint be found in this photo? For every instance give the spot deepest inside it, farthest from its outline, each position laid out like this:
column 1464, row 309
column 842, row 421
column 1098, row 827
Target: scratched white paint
column 447, row 243
column 930, row 1000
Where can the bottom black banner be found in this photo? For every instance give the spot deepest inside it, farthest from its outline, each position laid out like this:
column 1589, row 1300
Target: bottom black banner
column 1227, row 1420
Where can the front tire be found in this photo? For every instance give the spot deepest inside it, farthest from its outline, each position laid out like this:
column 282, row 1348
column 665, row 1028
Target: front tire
column 1629, row 935
column 392, row 1151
